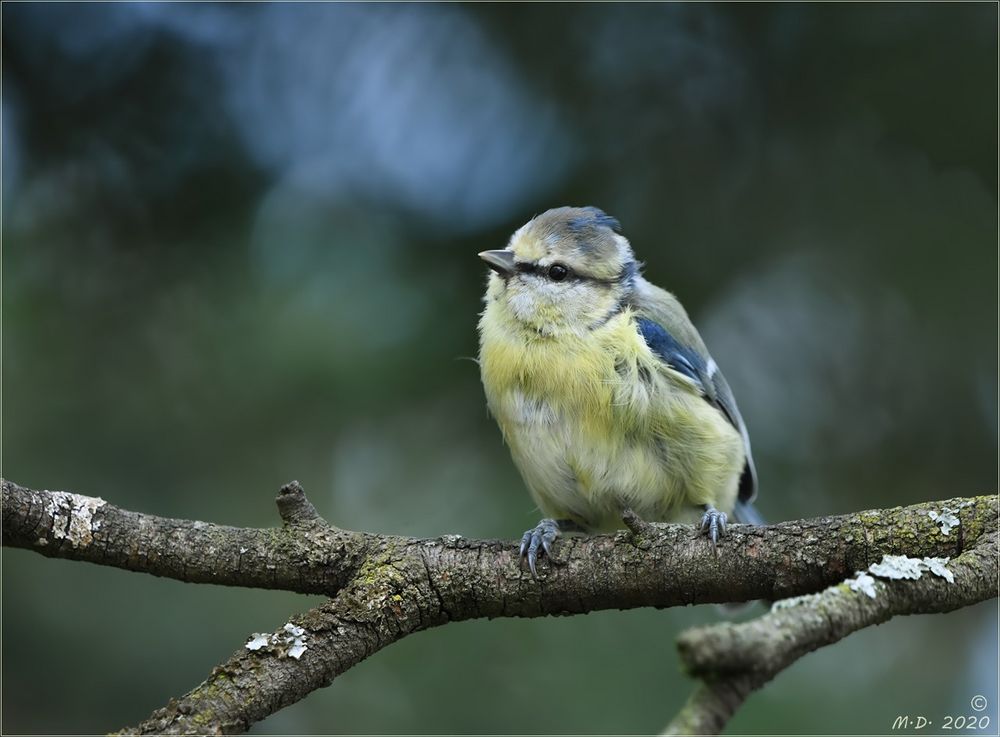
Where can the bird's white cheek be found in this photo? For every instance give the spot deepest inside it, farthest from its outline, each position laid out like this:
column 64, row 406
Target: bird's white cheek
column 577, row 303
column 523, row 303
column 545, row 306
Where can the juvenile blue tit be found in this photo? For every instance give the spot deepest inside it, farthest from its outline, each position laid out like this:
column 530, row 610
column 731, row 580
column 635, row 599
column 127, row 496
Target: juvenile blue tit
column 603, row 388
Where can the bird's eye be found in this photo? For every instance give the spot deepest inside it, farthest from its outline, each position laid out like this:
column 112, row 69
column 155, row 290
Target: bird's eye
column 558, row 272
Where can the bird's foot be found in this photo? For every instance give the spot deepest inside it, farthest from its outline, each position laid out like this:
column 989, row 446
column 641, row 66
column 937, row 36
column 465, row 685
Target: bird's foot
column 713, row 522
column 541, row 535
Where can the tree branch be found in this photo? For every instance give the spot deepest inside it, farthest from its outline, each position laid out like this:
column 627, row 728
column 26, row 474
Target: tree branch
column 385, row 587
column 305, row 555
column 733, row 660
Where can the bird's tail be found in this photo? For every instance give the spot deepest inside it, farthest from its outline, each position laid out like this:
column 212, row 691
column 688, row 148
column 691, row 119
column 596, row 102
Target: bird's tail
column 747, row 514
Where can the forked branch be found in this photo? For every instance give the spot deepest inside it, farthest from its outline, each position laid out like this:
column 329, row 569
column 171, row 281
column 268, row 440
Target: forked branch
column 384, row 587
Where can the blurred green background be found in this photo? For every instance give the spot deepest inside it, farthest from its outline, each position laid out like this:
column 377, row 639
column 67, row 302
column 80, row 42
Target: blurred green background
column 239, row 248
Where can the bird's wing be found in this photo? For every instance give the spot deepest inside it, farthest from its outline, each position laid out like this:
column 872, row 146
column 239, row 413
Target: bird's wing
column 671, row 335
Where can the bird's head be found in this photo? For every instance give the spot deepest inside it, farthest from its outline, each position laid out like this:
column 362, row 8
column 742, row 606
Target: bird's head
column 566, row 270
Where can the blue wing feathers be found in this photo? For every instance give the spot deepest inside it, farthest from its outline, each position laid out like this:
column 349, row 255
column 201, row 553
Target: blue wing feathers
column 692, row 364
column 679, row 357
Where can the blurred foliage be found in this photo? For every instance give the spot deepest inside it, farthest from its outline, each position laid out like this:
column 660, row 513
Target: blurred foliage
column 239, row 247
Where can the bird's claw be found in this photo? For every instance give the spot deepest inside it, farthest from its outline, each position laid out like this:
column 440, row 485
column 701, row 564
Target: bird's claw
column 714, row 522
column 542, row 535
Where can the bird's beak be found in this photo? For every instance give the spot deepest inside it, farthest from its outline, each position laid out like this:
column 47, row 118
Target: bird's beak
column 501, row 262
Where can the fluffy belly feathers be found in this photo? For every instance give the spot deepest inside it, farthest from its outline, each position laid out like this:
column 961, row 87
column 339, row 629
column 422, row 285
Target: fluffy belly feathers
column 598, row 426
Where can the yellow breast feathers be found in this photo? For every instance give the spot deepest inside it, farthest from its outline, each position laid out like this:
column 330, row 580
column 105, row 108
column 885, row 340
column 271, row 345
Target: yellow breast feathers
column 597, row 422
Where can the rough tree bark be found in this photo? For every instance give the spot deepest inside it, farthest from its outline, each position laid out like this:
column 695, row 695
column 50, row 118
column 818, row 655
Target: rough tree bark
column 385, row 587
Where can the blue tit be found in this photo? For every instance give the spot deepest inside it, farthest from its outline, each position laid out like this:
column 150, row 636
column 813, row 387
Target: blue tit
column 603, row 389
